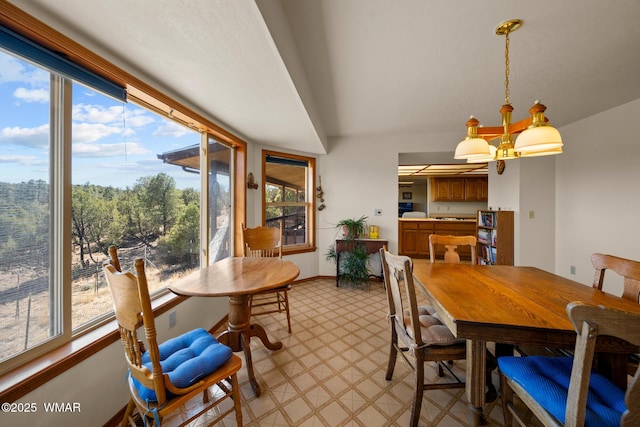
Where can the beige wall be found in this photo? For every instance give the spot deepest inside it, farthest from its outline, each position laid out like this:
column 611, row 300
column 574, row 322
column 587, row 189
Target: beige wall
column 597, row 193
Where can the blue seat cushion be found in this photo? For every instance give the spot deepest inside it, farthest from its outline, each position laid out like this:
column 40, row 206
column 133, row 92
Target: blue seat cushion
column 546, row 379
column 186, row 359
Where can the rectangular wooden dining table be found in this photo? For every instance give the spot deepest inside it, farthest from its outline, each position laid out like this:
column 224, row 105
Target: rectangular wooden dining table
column 511, row 305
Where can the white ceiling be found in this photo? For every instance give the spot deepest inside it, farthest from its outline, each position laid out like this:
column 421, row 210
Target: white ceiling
column 295, row 73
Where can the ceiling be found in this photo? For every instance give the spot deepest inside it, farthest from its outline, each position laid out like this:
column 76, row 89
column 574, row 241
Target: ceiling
column 297, row 74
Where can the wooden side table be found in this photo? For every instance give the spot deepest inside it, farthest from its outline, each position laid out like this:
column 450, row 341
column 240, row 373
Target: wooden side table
column 372, row 246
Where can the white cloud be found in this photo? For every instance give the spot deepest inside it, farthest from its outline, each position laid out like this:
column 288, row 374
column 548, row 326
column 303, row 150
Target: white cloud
column 138, row 118
column 32, row 95
column 91, row 132
column 15, row 70
column 97, row 113
column 171, row 129
column 30, row 137
column 22, row 160
column 108, row 150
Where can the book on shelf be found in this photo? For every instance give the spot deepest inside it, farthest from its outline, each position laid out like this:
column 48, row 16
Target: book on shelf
column 484, row 236
column 486, row 219
column 488, row 255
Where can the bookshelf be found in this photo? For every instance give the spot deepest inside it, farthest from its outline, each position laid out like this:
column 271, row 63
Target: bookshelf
column 494, row 231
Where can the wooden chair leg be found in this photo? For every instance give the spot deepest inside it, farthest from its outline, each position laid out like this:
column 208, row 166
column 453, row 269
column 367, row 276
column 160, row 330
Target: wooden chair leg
column 393, row 354
column 286, row 306
column 127, row 419
column 235, row 395
column 418, row 394
column 507, row 401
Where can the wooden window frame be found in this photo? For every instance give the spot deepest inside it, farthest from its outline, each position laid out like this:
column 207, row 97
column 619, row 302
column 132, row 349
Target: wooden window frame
column 310, row 246
column 40, row 369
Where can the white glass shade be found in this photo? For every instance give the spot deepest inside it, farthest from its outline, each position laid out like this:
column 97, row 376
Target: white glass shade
column 487, row 158
column 470, row 148
column 543, row 140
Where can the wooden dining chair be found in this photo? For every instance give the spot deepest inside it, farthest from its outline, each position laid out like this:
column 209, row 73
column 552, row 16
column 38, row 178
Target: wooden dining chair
column 267, row 242
column 564, row 391
column 451, row 245
column 179, row 379
column 415, row 332
column 630, row 272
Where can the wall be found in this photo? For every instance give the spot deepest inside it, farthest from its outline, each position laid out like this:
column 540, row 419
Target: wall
column 356, row 181
column 527, row 187
column 98, row 383
column 537, row 214
column 597, row 196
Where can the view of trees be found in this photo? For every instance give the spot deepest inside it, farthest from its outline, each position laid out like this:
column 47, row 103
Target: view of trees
column 154, row 210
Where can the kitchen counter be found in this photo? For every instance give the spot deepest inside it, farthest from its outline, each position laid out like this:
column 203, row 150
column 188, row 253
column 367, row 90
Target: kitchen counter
column 413, row 234
column 444, row 219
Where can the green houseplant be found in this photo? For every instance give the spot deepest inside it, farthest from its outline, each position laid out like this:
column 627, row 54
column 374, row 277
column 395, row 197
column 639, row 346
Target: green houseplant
column 353, row 255
column 353, row 228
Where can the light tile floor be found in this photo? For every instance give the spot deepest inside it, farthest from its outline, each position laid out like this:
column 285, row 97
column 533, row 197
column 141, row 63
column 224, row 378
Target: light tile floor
column 331, row 369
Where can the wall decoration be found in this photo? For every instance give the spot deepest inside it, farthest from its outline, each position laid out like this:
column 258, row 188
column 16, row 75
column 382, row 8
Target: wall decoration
column 407, row 195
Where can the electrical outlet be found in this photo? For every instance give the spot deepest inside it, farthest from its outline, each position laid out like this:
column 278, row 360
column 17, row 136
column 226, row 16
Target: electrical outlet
column 172, row 319
column 377, row 212
column 572, row 269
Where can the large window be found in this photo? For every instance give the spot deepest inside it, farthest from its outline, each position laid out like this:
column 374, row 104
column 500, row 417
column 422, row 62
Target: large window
column 288, row 198
column 123, row 194
column 82, row 171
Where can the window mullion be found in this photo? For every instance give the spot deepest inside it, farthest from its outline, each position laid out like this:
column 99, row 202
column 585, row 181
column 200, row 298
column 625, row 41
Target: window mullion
column 60, row 222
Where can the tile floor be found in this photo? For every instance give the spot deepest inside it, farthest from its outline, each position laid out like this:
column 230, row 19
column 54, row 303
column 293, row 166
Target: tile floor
column 331, row 369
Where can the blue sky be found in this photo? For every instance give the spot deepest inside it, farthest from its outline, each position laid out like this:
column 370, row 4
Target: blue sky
column 112, row 144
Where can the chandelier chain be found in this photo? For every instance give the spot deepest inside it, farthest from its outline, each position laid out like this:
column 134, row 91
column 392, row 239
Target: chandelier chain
column 506, row 68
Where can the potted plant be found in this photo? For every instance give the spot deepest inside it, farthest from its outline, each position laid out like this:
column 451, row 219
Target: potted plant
column 353, row 228
column 353, row 255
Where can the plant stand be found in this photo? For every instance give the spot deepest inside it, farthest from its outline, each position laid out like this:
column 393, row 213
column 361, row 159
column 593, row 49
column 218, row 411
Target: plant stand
column 371, row 246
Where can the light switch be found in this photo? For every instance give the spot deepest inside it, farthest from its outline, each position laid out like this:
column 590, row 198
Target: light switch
column 531, row 215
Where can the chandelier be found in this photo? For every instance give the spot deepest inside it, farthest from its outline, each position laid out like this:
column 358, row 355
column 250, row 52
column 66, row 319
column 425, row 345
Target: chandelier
column 534, row 136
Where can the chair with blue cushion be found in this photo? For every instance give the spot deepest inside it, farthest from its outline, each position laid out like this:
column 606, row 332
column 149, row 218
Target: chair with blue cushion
column 564, row 391
column 178, row 380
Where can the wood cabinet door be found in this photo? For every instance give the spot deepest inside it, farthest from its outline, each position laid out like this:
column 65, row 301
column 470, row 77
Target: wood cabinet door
column 409, row 241
column 440, row 189
column 472, row 188
column 483, row 189
column 456, row 189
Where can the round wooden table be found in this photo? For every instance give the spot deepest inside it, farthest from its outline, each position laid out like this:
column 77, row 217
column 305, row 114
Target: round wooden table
column 239, row 278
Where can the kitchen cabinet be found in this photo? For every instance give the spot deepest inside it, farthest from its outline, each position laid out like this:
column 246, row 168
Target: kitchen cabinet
column 459, row 189
column 413, row 235
column 476, row 189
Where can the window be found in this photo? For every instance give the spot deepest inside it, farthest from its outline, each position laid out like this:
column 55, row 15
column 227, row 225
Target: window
column 124, row 194
column 83, row 169
column 27, row 315
column 288, row 199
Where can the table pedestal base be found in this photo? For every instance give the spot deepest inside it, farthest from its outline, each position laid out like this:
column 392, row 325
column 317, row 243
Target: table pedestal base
column 239, row 332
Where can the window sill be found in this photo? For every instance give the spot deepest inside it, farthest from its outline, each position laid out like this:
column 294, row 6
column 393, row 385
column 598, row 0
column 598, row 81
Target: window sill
column 297, row 249
column 31, row 375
